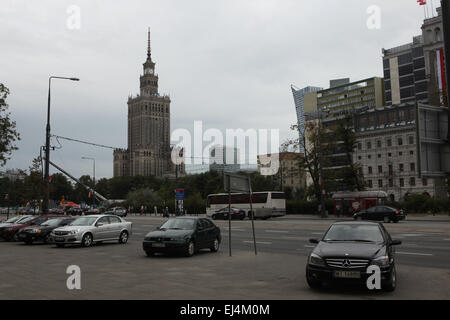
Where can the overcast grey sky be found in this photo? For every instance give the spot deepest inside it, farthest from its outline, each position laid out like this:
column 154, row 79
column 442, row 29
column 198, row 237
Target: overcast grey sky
column 228, row 63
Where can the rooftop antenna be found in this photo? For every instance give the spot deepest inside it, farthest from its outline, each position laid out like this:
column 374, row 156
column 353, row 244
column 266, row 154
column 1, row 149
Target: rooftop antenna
column 148, row 48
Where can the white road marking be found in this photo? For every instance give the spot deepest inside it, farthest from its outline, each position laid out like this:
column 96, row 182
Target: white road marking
column 446, row 239
column 320, row 233
column 411, row 234
column 235, row 229
column 258, row 242
column 295, row 238
column 414, row 253
column 306, row 246
column 277, row 231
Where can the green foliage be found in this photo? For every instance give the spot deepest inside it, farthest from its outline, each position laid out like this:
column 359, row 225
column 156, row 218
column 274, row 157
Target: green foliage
column 143, row 197
column 8, row 132
column 419, row 203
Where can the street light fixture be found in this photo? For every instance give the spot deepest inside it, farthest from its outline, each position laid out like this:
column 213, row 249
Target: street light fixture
column 47, row 146
column 93, row 188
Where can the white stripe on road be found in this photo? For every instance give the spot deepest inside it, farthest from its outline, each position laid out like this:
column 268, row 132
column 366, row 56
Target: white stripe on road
column 320, row 233
column 446, row 239
column 414, row 253
column 306, row 246
column 235, row 229
column 277, row 231
column 258, row 242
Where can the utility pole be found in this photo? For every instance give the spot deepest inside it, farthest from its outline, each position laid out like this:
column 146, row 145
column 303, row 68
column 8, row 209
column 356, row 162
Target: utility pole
column 47, row 147
column 93, row 188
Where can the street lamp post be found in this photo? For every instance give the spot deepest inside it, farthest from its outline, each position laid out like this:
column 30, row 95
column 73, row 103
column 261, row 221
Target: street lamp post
column 47, row 146
column 93, row 188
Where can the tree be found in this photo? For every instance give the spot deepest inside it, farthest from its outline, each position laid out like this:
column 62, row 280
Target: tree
column 8, row 132
column 351, row 174
column 34, row 182
column 313, row 140
column 143, row 197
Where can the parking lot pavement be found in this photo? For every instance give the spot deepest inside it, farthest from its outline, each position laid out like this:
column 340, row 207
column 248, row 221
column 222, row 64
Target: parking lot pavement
column 113, row 271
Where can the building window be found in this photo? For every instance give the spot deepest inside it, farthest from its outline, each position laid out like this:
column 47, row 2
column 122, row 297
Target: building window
column 369, row 183
column 412, row 181
column 389, row 142
column 369, row 157
column 389, row 154
column 391, row 171
column 411, row 152
column 359, row 145
column 400, row 153
column 412, row 166
column 400, row 141
column 369, row 145
column 370, row 170
column 411, row 139
column 379, row 144
column 402, row 182
column 391, row 183
column 379, row 156
column 400, row 167
column 425, row 182
column 380, row 169
column 380, row 183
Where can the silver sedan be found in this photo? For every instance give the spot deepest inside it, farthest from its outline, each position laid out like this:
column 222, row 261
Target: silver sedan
column 91, row 229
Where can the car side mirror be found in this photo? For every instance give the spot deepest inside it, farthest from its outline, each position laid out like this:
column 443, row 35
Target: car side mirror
column 396, row 242
column 158, row 228
column 315, row 241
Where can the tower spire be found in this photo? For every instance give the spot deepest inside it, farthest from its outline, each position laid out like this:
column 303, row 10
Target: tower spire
column 148, row 48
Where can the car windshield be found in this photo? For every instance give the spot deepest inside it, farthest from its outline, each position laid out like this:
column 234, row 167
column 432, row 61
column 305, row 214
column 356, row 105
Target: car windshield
column 354, row 232
column 14, row 219
column 85, row 221
column 26, row 220
column 179, row 224
column 51, row 223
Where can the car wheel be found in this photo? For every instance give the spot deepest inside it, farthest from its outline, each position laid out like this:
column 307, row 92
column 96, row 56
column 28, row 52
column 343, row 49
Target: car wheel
column 149, row 253
column 386, row 219
column 214, row 217
column 392, row 283
column 47, row 239
column 123, row 238
column 87, row 240
column 215, row 246
column 190, row 249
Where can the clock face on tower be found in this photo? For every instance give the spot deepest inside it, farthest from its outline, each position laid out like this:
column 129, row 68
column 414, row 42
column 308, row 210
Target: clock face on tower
column 149, row 71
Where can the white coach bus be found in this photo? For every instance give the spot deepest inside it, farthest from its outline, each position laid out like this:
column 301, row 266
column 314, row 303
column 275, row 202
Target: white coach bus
column 265, row 204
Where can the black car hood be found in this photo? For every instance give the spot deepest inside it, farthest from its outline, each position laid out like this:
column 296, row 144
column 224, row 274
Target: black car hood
column 170, row 233
column 349, row 249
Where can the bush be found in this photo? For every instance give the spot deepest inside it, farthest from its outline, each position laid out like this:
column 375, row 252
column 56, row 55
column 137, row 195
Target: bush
column 419, row 203
column 307, row 207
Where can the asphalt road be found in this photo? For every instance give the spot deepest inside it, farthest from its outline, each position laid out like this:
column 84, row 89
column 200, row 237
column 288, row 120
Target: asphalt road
column 113, row 271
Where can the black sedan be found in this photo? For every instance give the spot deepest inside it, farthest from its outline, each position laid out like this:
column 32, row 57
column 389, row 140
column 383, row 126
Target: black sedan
column 347, row 250
column 380, row 213
column 222, row 214
column 42, row 232
column 185, row 235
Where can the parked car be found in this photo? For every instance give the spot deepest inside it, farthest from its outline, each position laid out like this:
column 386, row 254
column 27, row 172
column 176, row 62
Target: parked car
column 92, row 211
column 57, row 211
column 13, row 220
column 74, row 211
column 381, row 213
column 184, row 235
column 8, row 233
column 120, row 211
column 222, row 214
column 42, row 232
column 88, row 230
column 345, row 252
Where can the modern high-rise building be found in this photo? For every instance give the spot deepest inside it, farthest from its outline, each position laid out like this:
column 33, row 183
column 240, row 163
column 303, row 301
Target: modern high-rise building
column 404, row 73
column 149, row 151
column 305, row 101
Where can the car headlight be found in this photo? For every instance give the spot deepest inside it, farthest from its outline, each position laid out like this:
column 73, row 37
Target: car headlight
column 316, row 260
column 38, row 231
column 382, row 261
column 74, row 231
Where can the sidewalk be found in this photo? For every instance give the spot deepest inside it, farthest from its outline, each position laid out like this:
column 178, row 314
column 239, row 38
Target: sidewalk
column 409, row 217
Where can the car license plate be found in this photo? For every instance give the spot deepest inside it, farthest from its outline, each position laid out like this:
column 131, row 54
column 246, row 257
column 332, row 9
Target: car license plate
column 59, row 239
column 158, row 245
column 347, row 274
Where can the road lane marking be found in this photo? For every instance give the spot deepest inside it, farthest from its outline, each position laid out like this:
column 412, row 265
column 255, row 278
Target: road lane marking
column 258, row 242
column 276, row 231
column 320, row 233
column 306, row 246
column 235, row 229
column 414, row 253
column 446, row 239
column 294, row 238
